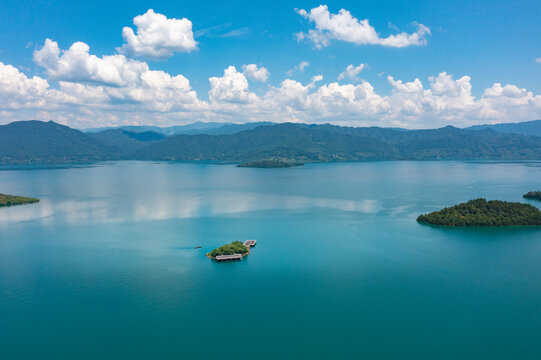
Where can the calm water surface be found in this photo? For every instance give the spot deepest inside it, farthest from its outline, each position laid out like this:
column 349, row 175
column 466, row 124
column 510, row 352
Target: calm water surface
column 104, row 267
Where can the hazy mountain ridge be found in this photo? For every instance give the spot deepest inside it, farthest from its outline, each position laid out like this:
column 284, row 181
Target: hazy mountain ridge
column 195, row 128
column 49, row 142
column 532, row 128
column 286, row 141
column 126, row 142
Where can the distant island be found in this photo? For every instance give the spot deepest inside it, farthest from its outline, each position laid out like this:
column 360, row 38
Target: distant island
column 10, row 200
column 480, row 212
column 271, row 164
column 236, row 247
column 533, row 195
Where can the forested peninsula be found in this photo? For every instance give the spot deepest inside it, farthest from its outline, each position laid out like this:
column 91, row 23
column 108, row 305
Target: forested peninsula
column 10, row 200
column 480, row 212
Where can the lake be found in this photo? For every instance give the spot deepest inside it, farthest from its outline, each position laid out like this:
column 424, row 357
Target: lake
column 104, row 267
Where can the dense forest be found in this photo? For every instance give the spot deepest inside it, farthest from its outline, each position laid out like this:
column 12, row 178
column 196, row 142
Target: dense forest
column 10, row 200
column 236, row 247
column 480, row 212
column 36, row 142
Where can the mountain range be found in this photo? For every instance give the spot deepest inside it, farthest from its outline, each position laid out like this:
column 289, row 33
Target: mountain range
column 34, row 142
column 198, row 127
column 522, row 128
column 216, row 128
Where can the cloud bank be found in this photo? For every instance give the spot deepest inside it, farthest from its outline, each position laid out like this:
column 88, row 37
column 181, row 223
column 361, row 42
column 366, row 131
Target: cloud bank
column 95, row 97
column 82, row 89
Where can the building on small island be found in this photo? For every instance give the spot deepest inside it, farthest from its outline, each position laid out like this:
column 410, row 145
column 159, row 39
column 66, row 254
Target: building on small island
column 234, row 251
column 250, row 243
column 229, row 257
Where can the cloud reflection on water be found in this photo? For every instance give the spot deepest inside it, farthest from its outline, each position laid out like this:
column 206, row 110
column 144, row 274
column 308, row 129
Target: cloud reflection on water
column 164, row 206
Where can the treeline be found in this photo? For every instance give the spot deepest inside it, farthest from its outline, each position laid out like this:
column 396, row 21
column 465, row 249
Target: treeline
column 480, row 212
column 236, row 247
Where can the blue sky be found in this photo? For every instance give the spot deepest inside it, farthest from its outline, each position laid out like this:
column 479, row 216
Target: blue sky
column 489, row 42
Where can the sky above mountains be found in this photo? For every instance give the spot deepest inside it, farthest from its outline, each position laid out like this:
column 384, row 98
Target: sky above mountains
column 410, row 64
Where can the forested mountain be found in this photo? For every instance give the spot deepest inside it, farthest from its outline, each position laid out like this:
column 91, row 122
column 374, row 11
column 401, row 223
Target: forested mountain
column 284, row 141
column 48, row 142
column 126, row 142
column 532, row 128
column 40, row 142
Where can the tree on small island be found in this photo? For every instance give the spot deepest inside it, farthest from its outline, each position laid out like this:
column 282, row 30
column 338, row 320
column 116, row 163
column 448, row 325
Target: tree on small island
column 534, row 195
column 10, row 200
column 236, row 247
column 480, row 212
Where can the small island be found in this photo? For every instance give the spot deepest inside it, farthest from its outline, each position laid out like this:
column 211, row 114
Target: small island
column 271, row 164
column 235, row 248
column 533, row 195
column 10, row 200
column 480, row 212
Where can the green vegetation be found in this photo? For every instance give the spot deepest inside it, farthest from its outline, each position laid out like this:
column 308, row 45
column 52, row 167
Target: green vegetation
column 10, row 200
column 32, row 142
column 271, row 164
column 534, row 195
column 480, row 212
column 236, row 247
column 37, row 142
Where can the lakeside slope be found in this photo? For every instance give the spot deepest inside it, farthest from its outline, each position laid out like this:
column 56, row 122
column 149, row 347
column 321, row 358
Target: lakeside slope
column 36, row 142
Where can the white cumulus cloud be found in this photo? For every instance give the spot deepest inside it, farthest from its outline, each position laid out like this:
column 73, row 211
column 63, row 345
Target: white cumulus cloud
column 254, row 72
column 345, row 27
column 157, row 36
column 92, row 87
column 76, row 64
column 351, row 72
column 17, row 91
column 232, row 87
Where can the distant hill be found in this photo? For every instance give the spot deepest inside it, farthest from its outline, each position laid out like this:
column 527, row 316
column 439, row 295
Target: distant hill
column 446, row 143
column 171, row 130
column 39, row 142
column 333, row 143
column 198, row 127
column 229, row 128
column 125, row 142
column 283, row 141
column 49, row 142
column 532, row 128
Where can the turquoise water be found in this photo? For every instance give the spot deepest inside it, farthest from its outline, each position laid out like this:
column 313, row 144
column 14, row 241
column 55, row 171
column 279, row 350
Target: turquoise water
column 104, row 267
